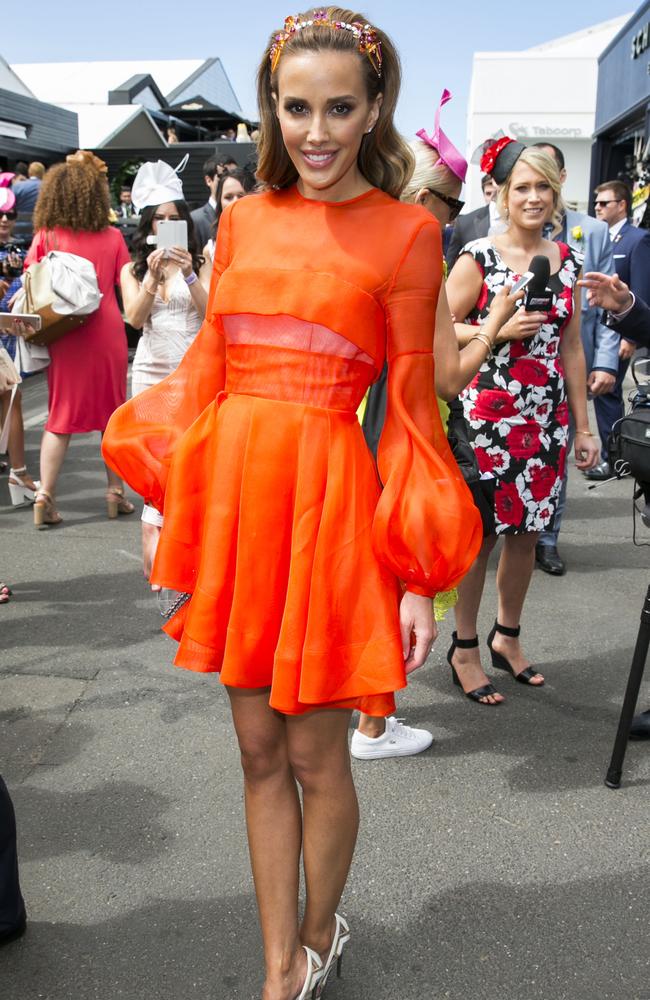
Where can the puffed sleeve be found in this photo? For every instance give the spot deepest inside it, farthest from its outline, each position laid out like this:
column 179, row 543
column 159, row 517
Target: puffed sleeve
column 426, row 527
column 142, row 435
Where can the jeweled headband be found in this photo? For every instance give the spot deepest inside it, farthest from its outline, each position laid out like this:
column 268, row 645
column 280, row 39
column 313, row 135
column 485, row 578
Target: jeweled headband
column 369, row 44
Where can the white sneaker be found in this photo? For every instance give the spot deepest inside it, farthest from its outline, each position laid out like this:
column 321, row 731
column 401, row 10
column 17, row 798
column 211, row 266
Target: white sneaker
column 397, row 741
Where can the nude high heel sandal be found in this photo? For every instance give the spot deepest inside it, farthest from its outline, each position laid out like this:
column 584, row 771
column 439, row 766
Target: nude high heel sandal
column 335, row 957
column 116, row 502
column 313, row 978
column 19, row 490
column 45, row 513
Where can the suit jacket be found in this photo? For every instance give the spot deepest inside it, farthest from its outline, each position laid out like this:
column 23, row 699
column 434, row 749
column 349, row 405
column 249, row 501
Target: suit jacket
column 203, row 219
column 631, row 248
column 636, row 325
column 472, row 226
column 600, row 342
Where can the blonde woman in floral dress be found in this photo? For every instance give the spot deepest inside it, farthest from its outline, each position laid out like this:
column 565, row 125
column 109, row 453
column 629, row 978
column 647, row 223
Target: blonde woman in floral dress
column 517, row 407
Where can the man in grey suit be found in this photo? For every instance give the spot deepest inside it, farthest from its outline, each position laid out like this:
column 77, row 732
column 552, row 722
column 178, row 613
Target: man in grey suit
column 204, row 217
column 600, row 343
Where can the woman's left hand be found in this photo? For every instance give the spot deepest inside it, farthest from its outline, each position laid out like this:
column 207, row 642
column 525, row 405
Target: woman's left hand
column 183, row 258
column 416, row 622
column 587, row 451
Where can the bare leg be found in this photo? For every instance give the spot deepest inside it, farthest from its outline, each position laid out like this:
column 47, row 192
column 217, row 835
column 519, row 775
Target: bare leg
column 513, row 579
column 150, row 539
column 371, row 725
column 467, row 662
column 320, row 760
column 274, row 837
column 53, row 451
column 16, row 442
column 113, row 478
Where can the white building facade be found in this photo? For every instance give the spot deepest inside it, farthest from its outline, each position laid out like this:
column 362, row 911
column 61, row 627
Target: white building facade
column 547, row 93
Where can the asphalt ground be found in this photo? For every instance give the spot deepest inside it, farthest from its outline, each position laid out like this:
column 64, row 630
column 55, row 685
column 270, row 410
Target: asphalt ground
column 495, row 866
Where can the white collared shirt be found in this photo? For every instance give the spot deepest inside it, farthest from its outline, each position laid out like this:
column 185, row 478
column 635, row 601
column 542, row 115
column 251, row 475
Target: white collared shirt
column 497, row 224
column 616, row 228
column 213, row 201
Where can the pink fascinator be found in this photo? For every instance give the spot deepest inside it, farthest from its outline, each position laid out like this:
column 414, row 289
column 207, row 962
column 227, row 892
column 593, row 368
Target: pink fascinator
column 7, row 197
column 446, row 150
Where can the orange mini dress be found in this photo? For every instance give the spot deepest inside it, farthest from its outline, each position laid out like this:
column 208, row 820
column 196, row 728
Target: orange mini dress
column 275, row 521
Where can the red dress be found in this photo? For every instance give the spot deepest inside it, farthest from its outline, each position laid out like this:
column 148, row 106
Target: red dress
column 87, row 373
column 275, row 521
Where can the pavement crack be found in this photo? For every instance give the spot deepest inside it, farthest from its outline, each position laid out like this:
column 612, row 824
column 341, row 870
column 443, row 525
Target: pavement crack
column 36, row 757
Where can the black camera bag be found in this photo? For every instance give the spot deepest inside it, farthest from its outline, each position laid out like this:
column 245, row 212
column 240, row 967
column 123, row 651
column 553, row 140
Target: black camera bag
column 629, row 443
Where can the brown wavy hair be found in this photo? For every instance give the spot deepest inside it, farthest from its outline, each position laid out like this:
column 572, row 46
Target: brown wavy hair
column 73, row 195
column 385, row 160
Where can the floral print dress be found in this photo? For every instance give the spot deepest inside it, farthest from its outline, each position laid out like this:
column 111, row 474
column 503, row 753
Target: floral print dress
column 516, row 406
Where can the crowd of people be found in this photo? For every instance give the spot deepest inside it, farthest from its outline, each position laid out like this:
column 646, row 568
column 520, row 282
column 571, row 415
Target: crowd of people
column 331, row 430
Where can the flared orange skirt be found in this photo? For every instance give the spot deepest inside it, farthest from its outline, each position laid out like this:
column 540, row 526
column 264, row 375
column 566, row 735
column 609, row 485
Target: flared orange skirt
column 286, row 591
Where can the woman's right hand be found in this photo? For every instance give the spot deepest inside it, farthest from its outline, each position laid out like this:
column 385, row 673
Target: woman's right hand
column 521, row 326
column 156, row 265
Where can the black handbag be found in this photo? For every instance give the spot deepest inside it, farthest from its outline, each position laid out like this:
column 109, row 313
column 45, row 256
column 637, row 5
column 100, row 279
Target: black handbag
column 629, row 443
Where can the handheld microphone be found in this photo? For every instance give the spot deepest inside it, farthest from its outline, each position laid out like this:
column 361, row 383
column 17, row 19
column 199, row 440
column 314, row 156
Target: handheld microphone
column 538, row 297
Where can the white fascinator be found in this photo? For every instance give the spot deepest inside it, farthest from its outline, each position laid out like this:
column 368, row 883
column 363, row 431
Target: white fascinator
column 156, row 183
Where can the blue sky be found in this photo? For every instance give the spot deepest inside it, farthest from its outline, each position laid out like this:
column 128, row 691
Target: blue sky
column 436, row 40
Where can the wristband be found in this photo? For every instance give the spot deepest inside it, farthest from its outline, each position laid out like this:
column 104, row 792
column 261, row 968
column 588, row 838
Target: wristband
column 148, row 290
column 585, row 433
column 191, row 278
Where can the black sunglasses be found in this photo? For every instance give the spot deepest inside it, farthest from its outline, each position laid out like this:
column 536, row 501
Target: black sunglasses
column 8, row 215
column 455, row 204
column 602, row 204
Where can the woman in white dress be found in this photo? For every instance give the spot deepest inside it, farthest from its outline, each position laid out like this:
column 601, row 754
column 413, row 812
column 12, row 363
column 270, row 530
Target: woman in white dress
column 165, row 293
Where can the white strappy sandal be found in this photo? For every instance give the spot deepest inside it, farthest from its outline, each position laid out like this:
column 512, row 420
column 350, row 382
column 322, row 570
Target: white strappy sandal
column 335, row 957
column 314, row 973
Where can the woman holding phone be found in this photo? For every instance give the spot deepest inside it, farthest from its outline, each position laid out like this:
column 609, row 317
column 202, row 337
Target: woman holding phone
column 165, row 292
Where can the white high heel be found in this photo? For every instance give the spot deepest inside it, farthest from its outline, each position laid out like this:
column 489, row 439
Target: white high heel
column 314, row 973
column 335, row 957
column 19, row 492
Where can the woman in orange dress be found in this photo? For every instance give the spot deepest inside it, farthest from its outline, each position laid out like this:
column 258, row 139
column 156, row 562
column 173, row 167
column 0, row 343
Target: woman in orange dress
column 307, row 586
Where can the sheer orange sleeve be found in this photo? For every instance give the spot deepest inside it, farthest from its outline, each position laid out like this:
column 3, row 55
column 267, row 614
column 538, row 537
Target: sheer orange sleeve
column 426, row 527
column 142, row 435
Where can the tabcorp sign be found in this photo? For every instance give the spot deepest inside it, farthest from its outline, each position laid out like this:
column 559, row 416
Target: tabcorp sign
column 544, row 131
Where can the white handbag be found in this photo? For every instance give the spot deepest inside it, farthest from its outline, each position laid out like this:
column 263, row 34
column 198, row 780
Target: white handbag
column 31, row 357
column 62, row 289
column 9, row 380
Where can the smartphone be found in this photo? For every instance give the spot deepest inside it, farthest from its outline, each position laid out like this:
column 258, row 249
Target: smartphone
column 6, row 320
column 172, row 233
column 522, row 282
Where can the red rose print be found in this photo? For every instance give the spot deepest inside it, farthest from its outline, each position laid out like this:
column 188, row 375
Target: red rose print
column 523, row 440
column 542, row 481
column 562, row 414
column 562, row 463
column 485, row 461
column 509, row 505
column 529, row 371
column 518, row 349
column 482, row 299
column 494, row 404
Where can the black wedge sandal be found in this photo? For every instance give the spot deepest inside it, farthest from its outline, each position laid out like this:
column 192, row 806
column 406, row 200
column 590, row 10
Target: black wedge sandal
column 500, row 662
column 478, row 693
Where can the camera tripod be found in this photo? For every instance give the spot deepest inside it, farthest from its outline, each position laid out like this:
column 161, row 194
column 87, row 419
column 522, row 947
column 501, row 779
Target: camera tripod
column 613, row 778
